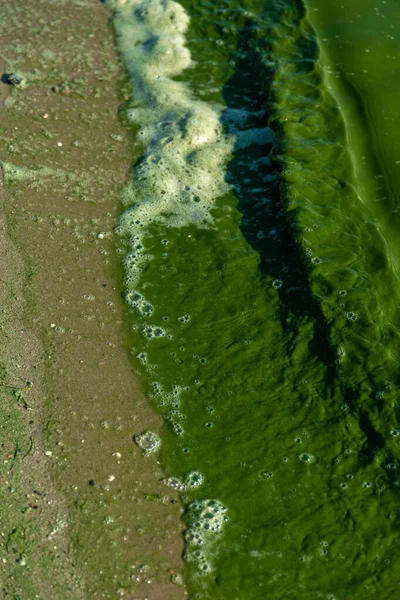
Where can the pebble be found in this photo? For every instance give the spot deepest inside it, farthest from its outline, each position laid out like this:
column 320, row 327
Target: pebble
column 15, row 79
column 61, row 87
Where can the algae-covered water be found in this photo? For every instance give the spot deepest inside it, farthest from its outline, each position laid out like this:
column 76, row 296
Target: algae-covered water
column 260, row 250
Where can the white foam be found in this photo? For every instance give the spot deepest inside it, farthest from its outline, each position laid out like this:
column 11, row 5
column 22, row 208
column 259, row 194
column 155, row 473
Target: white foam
column 184, row 147
column 206, row 519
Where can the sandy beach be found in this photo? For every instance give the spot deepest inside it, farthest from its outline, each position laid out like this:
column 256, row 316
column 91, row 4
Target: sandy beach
column 84, row 513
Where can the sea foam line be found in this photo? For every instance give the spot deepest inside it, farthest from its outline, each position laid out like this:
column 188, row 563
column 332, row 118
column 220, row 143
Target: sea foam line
column 184, row 149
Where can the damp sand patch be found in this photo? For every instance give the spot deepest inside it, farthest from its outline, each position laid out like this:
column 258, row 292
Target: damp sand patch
column 79, row 490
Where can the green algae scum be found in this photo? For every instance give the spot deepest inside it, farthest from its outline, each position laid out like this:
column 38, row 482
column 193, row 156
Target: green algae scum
column 259, row 244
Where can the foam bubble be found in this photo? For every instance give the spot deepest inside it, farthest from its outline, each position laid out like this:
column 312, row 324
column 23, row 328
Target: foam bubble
column 350, row 316
column 184, row 319
column 148, row 441
column 193, row 480
column 307, row 458
column 153, row 332
column 207, row 516
column 142, row 356
column 180, row 174
column 174, row 483
column 139, row 303
column 206, row 519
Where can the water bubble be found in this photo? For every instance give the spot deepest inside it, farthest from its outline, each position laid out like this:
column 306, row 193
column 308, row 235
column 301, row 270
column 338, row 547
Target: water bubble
column 174, row 483
column 153, row 331
column 196, row 557
column 266, row 475
column 390, row 466
column 142, row 356
column 139, row 303
column 178, row 428
column 148, row 441
column 194, row 537
column 184, row 319
column 193, row 480
column 350, row 316
column 307, row 458
column 207, row 515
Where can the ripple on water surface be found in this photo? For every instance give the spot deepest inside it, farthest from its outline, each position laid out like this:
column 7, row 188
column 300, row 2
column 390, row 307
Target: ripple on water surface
column 264, row 303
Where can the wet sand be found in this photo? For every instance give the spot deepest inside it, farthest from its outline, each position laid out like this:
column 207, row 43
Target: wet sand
column 84, row 514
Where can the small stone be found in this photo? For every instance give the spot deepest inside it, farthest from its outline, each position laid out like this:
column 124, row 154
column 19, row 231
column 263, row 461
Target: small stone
column 15, row 79
column 62, row 88
column 110, row 477
column 48, row 453
column 117, row 454
column 46, row 116
column 59, row 144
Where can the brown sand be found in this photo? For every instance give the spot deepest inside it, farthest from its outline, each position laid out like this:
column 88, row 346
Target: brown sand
column 63, row 328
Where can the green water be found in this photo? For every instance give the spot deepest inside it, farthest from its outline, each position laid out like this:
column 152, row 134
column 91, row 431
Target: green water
column 360, row 44
column 259, row 245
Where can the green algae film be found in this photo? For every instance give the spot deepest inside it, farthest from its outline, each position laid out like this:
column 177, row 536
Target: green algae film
column 264, row 300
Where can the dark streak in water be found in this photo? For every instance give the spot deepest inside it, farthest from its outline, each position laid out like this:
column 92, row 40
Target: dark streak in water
column 255, row 177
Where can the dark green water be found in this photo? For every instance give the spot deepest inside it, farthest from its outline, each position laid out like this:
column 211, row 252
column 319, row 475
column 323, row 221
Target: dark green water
column 261, row 258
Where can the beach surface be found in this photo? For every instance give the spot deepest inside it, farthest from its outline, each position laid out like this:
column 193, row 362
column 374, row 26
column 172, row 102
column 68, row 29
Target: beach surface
column 84, row 514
